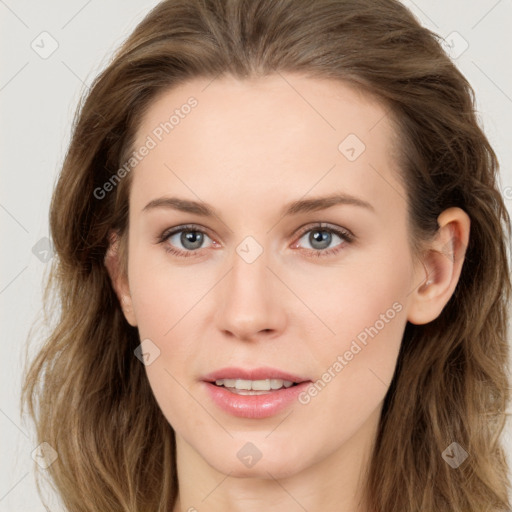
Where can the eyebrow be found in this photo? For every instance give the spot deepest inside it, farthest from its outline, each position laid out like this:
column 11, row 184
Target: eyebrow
column 294, row 208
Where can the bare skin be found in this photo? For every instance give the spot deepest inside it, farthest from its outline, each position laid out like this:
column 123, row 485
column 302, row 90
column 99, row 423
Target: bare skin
column 248, row 149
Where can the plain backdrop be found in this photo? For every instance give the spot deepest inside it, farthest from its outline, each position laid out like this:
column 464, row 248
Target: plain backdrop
column 50, row 53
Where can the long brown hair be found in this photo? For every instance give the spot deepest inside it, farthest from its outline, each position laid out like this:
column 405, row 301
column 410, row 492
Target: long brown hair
column 87, row 392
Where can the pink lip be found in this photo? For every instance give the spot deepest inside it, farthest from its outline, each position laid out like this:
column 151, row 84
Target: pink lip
column 252, row 374
column 253, row 406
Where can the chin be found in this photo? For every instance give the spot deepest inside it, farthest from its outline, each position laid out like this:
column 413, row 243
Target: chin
column 258, row 459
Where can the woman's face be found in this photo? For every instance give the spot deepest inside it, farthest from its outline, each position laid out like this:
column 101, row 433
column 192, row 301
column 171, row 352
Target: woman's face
column 295, row 267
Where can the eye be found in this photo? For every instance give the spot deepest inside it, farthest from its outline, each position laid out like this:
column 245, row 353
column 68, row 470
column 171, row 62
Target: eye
column 321, row 238
column 184, row 240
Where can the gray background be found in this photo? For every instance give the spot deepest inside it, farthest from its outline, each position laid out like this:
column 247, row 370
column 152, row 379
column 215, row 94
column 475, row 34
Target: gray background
column 38, row 96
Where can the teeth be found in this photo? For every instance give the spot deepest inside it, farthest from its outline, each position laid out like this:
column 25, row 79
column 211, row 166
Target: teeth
column 256, row 385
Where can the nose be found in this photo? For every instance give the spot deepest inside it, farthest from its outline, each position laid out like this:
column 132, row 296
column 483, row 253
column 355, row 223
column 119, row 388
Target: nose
column 252, row 301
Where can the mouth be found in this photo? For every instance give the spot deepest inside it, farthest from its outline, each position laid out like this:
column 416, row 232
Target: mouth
column 254, row 393
column 245, row 381
column 254, row 387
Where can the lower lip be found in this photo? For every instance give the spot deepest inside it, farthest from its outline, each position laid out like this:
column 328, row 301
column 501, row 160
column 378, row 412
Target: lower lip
column 254, row 406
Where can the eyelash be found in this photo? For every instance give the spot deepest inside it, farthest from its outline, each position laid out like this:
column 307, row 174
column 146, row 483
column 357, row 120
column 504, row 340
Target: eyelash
column 344, row 234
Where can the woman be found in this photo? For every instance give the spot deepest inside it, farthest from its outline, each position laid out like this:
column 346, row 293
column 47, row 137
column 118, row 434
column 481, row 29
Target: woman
column 282, row 271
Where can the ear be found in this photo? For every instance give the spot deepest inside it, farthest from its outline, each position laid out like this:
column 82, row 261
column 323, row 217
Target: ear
column 119, row 278
column 440, row 267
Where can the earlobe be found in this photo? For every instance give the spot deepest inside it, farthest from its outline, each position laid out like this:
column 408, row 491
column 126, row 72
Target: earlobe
column 119, row 278
column 441, row 267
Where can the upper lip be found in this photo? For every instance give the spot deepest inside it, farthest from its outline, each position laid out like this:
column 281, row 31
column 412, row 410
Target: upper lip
column 261, row 373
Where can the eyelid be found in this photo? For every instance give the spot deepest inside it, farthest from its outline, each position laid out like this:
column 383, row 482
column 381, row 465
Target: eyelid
column 183, row 227
column 341, row 231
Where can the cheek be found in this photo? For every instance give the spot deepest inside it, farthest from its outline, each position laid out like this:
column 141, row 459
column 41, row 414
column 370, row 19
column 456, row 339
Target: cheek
column 363, row 302
column 366, row 309
column 161, row 292
column 362, row 298
column 166, row 302
column 164, row 307
column 371, row 309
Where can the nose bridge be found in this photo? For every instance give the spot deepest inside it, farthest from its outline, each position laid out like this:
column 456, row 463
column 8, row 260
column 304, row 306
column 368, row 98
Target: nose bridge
column 249, row 302
column 250, row 271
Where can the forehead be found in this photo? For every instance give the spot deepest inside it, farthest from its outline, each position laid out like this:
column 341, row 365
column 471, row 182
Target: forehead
column 282, row 133
column 266, row 104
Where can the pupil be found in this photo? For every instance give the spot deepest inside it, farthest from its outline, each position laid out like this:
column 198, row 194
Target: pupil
column 321, row 237
column 192, row 237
